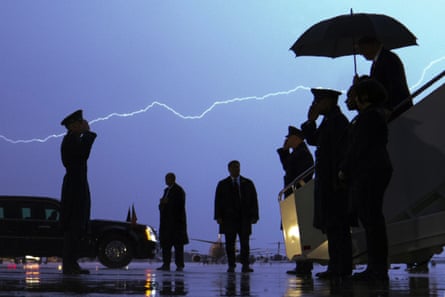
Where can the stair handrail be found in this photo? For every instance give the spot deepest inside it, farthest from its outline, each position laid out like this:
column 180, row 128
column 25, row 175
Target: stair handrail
column 421, row 89
column 293, row 184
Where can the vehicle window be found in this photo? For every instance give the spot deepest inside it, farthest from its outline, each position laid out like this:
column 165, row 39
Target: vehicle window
column 2, row 213
column 26, row 213
column 51, row 214
column 33, row 212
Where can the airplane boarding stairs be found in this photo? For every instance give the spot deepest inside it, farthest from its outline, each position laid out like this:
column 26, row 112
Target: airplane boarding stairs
column 414, row 203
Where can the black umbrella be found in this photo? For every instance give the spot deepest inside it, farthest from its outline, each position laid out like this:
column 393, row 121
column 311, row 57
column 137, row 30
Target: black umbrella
column 336, row 37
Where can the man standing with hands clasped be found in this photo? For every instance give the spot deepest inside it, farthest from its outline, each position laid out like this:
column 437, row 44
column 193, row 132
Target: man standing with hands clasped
column 173, row 223
column 236, row 209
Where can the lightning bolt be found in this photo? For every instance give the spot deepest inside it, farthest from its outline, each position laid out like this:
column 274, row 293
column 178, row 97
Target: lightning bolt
column 167, row 107
column 205, row 112
column 31, row 140
column 422, row 77
column 209, row 109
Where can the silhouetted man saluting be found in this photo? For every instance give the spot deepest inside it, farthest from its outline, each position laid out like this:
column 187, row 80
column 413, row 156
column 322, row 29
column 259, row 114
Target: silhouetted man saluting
column 330, row 199
column 76, row 203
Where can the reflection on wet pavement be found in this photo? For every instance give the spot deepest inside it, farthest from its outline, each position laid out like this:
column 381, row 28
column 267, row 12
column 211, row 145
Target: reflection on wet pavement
column 142, row 279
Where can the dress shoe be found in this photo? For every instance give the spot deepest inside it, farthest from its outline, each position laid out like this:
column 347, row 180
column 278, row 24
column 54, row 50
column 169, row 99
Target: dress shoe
column 324, row 275
column 231, row 269
column 179, row 269
column 246, row 269
column 368, row 275
column 293, row 272
column 163, row 268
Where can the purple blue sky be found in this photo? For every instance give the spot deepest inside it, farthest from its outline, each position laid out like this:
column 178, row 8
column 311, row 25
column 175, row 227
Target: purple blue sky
column 120, row 57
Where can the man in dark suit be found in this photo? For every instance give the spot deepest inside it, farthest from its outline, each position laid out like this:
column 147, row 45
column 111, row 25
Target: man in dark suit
column 236, row 209
column 296, row 158
column 387, row 69
column 330, row 199
column 173, row 223
column 75, row 202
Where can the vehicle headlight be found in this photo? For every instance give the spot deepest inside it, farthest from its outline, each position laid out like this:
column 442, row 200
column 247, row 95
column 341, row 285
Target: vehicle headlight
column 150, row 234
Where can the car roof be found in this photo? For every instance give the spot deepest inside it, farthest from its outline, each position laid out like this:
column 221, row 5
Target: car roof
column 28, row 199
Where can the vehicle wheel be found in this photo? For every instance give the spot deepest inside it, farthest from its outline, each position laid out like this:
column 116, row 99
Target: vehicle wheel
column 115, row 251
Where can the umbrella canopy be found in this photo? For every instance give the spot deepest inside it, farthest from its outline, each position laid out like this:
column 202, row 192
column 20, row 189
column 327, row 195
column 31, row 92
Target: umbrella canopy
column 337, row 36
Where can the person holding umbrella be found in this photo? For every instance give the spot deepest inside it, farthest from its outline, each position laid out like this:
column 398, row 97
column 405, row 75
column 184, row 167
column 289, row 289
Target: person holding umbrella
column 330, row 198
column 373, row 36
column 367, row 170
column 387, row 69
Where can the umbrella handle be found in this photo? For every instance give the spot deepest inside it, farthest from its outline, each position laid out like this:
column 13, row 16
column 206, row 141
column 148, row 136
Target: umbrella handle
column 353, row 46
column 355, row 64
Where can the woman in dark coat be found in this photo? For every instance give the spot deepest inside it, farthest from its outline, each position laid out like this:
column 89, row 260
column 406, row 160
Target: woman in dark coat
column 173, row 223
column 367, row 170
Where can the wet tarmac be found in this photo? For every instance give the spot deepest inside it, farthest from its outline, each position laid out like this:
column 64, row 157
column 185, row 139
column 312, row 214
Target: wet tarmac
column 142, row 279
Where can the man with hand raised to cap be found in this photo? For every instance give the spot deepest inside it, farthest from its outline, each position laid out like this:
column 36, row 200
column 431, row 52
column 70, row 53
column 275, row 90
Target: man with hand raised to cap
column 76, row 200
column 296, row 158
column 330, row 197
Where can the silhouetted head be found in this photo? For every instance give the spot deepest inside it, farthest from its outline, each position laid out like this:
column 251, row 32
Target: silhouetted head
column 293, row 131
column 294, row 137
column 72, row 118
column 368, row 47
column 170, row 179
column 75, row 122
column 370, row 92
column 351, row 95
column 234, row 167
column 325, row 99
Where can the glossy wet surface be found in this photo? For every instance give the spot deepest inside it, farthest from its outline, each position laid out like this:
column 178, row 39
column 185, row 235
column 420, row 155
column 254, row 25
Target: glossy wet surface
column 142, row 279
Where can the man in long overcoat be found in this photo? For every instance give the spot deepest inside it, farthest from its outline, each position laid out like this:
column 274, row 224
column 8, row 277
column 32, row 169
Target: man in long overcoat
column 330, row 199
column 173, row 223
column 236, row 209
column 75, row 202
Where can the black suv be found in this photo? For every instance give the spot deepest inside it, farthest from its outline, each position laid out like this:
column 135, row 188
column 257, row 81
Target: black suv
column 30, row 226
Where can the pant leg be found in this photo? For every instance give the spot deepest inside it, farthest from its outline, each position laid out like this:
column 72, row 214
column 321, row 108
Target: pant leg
column 377, row 244
column 340, row 247
column 166, row 253
column 230, row 248
column 244, row 248
column 179, row 255
column 373, row 220
column 344, row 249
column 71, row 247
